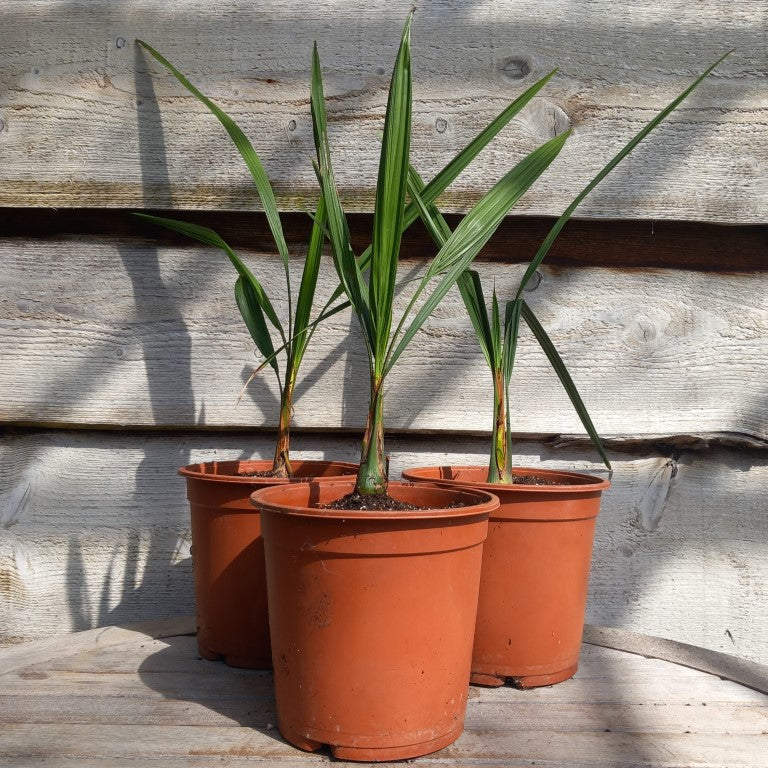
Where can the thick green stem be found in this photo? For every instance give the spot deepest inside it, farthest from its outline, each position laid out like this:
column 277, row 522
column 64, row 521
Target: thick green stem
column 281, row 466
column 372, row 476
column 500, row 469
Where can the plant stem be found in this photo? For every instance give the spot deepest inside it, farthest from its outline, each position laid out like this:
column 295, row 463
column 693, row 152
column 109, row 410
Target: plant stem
column 500, row 468
column 281, row 466
column 372, row 475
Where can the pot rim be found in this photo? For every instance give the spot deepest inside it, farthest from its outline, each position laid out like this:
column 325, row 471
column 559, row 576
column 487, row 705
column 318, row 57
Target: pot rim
column 481, row 503
column 207, row 470
column 587, row 483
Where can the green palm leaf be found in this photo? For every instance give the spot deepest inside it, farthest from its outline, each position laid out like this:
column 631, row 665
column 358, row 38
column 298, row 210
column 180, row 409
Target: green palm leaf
column 347, row 267
column 457, row 165
column 209, row 237
column 474, row 231
column 472, row 293
column 561, row 222
column 245, row 148
column 565, row 378
column 389, row 207
column 251, row 310
column 451, row 171
column 308, row 285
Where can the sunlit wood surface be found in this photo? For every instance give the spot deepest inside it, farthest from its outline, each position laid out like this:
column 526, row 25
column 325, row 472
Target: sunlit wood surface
column 86, row 120
column 117, row 697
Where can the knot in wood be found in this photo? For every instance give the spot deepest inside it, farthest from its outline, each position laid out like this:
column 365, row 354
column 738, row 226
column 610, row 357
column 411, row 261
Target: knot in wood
column 516, row 68
column 534, row 282
column 644, row 330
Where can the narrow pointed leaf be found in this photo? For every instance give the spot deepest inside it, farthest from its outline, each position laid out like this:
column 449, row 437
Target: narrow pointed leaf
column 482, row 221
column 561, row 222
column 511, row 332
column 565, row 379
column 308, row 284
column 456, row 166
column 347, row 267
column 450, row 172
column 209, row 237
column 250, row 309
column 244, row 147
column 389, row 207
column 472, row 292
column 426, row 209
column 474, row 231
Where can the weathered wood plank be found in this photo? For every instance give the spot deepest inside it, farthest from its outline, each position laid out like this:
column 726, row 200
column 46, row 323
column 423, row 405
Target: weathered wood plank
column 583, row 242
column 636, row 711
column 184, row 658
column 79, row 550
column 723, row 665
column 256, row 691
column 615, row 750
column 609, row 749
column 92, row 123
column 140, row 334
column 661, row 718
column 95, row 640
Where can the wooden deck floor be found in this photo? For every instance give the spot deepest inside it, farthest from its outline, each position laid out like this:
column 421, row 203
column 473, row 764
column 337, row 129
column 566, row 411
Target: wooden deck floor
column 117, row 697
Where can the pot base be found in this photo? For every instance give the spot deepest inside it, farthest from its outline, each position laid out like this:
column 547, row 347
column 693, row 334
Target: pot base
column 367, row 754
column 522, row 681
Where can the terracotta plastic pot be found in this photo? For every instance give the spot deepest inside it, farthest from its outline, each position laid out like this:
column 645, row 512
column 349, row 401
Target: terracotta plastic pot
column 372, row 616
column 228, row 554
column 533, row 588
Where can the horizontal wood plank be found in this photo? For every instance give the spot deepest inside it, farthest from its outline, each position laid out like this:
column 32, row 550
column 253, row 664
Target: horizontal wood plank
column 583, row 242
column 619, row 710
column 120, row 710
column 93, row 123
column 153, row 742
column 95, row 530
column 141, row 334
column 727, row 667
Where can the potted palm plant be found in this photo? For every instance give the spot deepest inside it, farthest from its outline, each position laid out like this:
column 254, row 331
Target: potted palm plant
column 230, row 581
column 373, row 585
column 537, row 556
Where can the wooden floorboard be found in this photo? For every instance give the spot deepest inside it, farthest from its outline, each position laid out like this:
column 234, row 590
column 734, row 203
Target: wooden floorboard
column 119, row 698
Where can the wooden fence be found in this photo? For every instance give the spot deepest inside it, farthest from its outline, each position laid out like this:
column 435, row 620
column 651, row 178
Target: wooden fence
column 122, row 353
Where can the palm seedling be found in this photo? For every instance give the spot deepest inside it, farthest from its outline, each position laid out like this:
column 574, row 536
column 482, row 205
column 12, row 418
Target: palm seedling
column 498, row 336
column 369, row 283
column 252, row 300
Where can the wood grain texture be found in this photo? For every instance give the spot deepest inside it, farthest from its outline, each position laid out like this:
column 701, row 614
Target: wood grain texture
column 677, row 554
column 88, row 121
column 148, row 700
column 105, row 332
